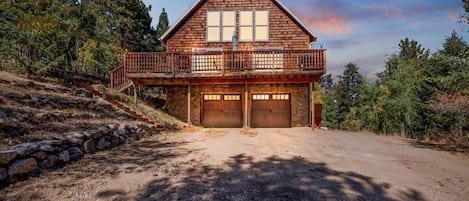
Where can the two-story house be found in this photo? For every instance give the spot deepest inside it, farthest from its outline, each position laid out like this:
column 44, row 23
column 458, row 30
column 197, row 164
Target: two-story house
column 234, row 63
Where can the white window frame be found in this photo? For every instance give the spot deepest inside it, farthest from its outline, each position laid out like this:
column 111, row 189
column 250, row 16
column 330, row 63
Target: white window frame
column 266, row 26
column 213, row 26
column 253, row 26
column 221, row 26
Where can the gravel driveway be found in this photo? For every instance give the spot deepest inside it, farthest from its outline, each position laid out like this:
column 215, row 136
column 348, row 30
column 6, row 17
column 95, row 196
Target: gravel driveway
column 257, row 164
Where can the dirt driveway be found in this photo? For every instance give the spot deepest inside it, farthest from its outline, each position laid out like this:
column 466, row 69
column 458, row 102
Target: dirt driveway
column 259, row 164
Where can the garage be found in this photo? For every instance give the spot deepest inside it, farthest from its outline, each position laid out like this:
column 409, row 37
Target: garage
column 222, row 111
column 271, row 111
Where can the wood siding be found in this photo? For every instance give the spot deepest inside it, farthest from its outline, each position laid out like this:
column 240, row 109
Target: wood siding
column 283, row 32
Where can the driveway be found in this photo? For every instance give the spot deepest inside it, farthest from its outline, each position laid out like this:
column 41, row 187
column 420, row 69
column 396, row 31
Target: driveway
column 257, row 164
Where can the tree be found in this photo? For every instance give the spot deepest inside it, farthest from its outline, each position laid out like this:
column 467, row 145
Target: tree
column 466, row 8
column 163, row 23
column 348, row 91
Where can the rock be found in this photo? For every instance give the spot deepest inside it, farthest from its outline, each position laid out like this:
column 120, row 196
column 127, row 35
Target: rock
column 97, row 133
column 7, row 156
column 25, row 149
column 89, row 147
column 3, row 114
column 45, row 147
column 21, row 167
column 76, row 135
column 101, row 145
column 122, row 131
column 75, row 153
column 73, row 140
column 64, row 156
column 115, row 141
column 3, row 174
column 49, row 162
column 112, row 126
column 51, row 142
column 39, row 155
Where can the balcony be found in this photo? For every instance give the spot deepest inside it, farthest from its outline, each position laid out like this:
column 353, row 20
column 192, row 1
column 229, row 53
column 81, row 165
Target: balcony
column 223, row 65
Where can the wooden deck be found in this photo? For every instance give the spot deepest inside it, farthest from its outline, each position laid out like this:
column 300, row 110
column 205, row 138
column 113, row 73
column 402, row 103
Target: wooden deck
column 174, row 68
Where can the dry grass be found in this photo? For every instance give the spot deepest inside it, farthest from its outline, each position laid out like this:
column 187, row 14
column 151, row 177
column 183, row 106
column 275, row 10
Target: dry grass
column 150, row 112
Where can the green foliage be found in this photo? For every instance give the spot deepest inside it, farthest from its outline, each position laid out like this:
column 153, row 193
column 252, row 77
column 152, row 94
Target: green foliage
column 62, row 38
column 418, row 95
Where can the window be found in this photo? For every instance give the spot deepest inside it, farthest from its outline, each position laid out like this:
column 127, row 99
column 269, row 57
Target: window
column 232, row 97
column 220, row 25
column 212, row 97
column 268, row 58
column 260, row 97
column 229, row 23
column 213, row 26
column 280, row 97
column 246, row 26
column 262, row 26
column 207, row 59
column 254, row 25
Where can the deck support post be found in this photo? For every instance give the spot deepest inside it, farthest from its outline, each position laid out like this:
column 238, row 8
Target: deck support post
column 312, row 112
column 135, row 92
column 246, row 102
column 189, row 105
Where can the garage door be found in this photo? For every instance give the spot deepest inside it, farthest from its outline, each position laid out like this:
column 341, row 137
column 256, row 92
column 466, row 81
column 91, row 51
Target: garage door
column 222, row 111
column 271, row 111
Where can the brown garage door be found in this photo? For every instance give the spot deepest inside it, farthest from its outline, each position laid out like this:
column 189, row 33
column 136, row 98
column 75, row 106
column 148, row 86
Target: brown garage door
column 271, row 111
column 222, row 111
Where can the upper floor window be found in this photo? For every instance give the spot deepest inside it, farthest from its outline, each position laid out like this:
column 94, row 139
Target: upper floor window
column 220, row 25
column 254, row 25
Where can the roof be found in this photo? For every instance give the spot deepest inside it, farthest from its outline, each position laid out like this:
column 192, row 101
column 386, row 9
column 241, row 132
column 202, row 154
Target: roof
column 173, row 29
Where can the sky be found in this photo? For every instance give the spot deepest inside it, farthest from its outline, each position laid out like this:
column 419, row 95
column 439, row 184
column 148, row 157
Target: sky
column 364, row 32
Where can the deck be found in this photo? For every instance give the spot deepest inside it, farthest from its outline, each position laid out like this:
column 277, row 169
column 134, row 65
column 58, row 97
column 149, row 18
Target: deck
column 174, row 68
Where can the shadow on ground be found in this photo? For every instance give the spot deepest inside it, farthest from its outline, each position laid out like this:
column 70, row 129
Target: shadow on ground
column 453, row 148
column 273, row 179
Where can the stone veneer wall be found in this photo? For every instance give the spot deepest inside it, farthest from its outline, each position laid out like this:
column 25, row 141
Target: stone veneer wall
column 177, row 99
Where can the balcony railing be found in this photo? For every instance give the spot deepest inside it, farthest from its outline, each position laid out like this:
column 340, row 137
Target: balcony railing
column 225, row 61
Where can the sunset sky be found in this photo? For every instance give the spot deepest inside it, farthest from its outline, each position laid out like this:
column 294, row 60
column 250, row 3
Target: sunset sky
column 364, row 32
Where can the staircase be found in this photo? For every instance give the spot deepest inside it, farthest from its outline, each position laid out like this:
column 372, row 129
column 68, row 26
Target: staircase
column 121, row 83
column 130, row 111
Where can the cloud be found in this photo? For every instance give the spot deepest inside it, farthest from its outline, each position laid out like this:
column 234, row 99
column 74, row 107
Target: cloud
column 341, row 43
column 330, row 24
column 453, row 16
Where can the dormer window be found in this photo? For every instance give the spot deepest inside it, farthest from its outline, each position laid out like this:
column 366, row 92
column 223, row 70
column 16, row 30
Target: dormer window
column 253, row 26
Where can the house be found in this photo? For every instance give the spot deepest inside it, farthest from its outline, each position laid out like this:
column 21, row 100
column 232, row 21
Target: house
column 233, row 63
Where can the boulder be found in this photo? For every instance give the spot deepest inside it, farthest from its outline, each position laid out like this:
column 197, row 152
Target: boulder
column 64, row 156
column 101, row 145
column 75, row 153
column 45, row 147
column 74, row 140
column 51, row 142
column 49, row 162
column 115, row 141
column 3, row 174
column 7, row 156
column 3, row 114
column 23, row 166
column 39, row 155
column 76, row 135
column 89, row 147
column 25, row 149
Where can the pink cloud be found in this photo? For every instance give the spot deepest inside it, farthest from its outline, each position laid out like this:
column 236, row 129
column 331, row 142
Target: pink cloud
column 330, row 24
column 453, row 16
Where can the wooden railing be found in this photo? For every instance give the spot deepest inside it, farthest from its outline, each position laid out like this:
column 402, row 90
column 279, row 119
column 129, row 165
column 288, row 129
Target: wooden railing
column 225, row 62
column 119, row 79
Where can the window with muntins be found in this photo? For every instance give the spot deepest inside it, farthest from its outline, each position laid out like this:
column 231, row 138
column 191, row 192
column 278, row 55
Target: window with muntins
column 254, row 25
column 220, row 25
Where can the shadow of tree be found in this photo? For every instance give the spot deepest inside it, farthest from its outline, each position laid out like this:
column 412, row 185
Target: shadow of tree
column 273, row 179
column 452, row 147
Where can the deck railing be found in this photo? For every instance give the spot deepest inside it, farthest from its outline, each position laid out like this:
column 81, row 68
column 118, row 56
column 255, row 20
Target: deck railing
column 225, row 61
column 118, row 78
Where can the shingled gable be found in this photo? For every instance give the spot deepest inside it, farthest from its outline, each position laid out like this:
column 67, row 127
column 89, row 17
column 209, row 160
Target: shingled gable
column 168, row 34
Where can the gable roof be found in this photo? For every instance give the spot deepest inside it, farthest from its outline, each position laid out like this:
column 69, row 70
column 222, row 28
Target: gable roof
column 173, row 29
